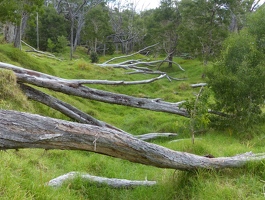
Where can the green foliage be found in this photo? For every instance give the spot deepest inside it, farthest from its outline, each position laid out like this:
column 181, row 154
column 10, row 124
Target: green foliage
column 162, row 24
column 12, row 10
column 238, row 80
column 256, row 26
column 198, row 110
column 58, row 46
column 50, row 45
column 94, row 57
column 52, row 28
column 97, row 28
column 204, row 26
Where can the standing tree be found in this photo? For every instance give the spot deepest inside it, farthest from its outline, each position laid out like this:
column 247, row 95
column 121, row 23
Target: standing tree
column 75, row 12
column 203, row 28
column 97, row 28
column 162, row 27
column 127, row 26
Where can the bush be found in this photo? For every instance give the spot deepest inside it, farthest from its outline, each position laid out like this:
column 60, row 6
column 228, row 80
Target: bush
column 238, row 80
column 94, row 57
column 57, row 46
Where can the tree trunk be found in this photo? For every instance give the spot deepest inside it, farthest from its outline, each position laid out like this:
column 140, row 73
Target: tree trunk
column 20, row 29
column 80, row 25
column 72, row 39
column 9, row 32
column 22, row 130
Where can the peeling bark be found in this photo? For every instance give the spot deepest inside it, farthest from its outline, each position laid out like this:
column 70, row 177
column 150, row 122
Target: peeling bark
column 23, row 130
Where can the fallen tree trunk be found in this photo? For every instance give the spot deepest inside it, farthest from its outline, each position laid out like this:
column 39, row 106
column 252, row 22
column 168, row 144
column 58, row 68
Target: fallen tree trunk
column 75, row 87
column 112, row 182
column 23, row 130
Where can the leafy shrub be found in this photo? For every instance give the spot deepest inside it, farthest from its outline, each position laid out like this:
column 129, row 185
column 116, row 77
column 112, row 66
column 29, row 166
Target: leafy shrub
column 94, row 57
column 57, row 46
column 238, row 80
column 50, row 45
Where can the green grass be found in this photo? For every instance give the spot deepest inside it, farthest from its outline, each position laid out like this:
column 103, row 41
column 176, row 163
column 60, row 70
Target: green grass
column 24, row 173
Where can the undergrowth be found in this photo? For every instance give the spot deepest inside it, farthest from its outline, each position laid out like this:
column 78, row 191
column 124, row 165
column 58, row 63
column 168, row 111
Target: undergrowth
column 24, row 173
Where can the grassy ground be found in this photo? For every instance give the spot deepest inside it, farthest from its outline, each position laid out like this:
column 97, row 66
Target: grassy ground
column 24, row 173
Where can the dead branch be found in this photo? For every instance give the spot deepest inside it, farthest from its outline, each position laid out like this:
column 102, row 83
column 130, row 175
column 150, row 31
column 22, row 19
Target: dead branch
column 112, row 182
column 198, row 85
column 49, row 55
column 135, row 64
column 23, row 130
column 151, row 136
column 126, row 56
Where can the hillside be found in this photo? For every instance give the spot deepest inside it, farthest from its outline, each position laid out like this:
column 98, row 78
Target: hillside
column 27, row 171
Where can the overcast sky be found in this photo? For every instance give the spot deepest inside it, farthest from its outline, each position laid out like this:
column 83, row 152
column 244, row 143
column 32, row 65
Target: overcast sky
column 149, row 4
column 146, row 4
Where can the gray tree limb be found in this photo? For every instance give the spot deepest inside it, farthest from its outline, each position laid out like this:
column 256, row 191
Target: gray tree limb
column 112, row 182
column 151, row 136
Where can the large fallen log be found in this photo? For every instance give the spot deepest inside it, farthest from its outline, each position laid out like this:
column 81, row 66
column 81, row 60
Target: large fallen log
column 23, row 130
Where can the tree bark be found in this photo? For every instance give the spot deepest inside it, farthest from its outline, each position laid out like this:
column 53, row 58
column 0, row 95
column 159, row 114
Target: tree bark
column 9, row 32
column 23, row 130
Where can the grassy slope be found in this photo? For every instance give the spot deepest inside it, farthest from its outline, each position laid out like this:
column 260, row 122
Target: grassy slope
column 23, row 174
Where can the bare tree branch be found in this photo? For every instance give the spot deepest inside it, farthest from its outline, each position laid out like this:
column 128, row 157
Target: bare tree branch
column 151, row 136
column 126, row 56
column 112, row 182
column 49, row 55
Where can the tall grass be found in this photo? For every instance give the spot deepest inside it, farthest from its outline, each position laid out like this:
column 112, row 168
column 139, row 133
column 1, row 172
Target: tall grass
column 24, row 173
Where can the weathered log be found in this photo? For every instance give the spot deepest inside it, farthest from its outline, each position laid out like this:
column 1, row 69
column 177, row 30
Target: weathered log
column 74, row 87
column 112, row 182
column 23, row 130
